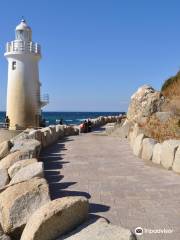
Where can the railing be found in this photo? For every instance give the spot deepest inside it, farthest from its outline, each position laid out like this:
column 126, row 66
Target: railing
column 22, row 46
column 44, row 99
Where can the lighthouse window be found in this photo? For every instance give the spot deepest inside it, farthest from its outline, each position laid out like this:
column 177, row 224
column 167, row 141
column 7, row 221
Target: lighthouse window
column 13, row 65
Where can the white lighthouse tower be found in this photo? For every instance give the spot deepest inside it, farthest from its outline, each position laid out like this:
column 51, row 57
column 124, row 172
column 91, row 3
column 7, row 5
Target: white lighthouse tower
column 23, row 92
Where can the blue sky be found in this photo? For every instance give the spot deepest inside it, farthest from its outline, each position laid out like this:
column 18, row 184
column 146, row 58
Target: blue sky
column 96, row 53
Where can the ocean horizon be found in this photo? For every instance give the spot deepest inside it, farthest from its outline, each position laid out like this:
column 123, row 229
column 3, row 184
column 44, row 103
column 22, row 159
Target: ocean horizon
column 53, row 117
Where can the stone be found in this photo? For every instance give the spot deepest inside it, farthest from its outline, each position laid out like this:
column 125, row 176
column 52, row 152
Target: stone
column 99, row 229
column 147, row 148
column 134, row 131
column 31, row 146
column 19, row 202
column 144, row 103
column 4, row 177
column 46, row 136
column 156, row 158
column 121, row 130
column 137, row 146
column 70, row 130
column 28, row 172
column 176, row 164
column 19, row 165
column 163, row 116
column 56, row 218
column 35, row 134
column 169, row 148
column 5, row 148
column 12, row 158
column 60, row 130
column 5, row 237
column 22, row 136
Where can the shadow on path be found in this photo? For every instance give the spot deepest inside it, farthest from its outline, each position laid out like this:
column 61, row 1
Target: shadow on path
column 52, row 158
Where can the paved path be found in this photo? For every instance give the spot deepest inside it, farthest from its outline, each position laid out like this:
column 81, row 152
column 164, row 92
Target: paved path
column 120, row 187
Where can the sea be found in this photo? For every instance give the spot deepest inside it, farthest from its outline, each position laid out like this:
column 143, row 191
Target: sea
column 69, row 117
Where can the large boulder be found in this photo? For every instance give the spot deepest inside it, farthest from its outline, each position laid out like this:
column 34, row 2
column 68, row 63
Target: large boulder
column 31, row 146
column 176, row 164
column 144, row 103
column 12, row 158
column 46, row 136
column 35, row 134
column 163, row 116
column 99, row 229
column 56, row 218
column 169, row 148
column 70, row 130
column 134, row 131
column 147, row 148
column 156, row 158
column 2, row 235
column 19, row 202
column 5, row 148
column 28, row 172
column 19, row 165
column 4, row 177
column 5, row 237
column 22, row 136
column 121, row 131
column 60, row 130
column 137, row 146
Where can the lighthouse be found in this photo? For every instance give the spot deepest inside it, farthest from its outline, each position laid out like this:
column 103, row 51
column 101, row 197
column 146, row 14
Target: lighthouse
column 24, row 101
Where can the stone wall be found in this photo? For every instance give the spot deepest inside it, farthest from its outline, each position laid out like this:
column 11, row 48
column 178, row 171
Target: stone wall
column 166, row 153
column 26, row 210
column 145, row 102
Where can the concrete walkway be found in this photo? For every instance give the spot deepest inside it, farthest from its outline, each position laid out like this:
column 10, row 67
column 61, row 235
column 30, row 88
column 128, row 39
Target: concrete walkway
column 120, row 187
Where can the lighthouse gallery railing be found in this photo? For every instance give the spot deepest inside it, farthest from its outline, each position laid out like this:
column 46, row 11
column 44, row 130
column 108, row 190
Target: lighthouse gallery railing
column 22, row 46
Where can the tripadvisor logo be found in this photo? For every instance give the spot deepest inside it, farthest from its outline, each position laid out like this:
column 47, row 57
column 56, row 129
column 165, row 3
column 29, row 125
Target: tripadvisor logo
column 139, row 231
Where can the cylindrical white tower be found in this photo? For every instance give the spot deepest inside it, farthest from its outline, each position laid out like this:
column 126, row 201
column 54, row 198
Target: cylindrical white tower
column 23, row 91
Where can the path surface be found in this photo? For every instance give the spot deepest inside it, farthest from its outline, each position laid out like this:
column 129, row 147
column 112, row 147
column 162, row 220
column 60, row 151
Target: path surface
column 120, row 186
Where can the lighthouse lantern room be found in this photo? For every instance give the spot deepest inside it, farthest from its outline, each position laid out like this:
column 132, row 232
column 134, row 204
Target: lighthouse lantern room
column 23, row 91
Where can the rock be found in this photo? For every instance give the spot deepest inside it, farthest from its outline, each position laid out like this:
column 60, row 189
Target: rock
column 156, row 158
column 169, row 148
column 4, row 177
column 56, row 218
column 137, row 147
column 147, row 148
column 35, row 134
column 122, row 131
column 28, row 172
column 60, row 130
column 12, row 158
column 22, row 136
column 134, row 131
column 70, row 130
column 19, row 165
column 19, row 202
column 5, row 237
column 31, row 146
column 163, row 116
column 46, row 136
column 176, row 164
column 144, row 103
column 99, row 229
column 5, row 148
